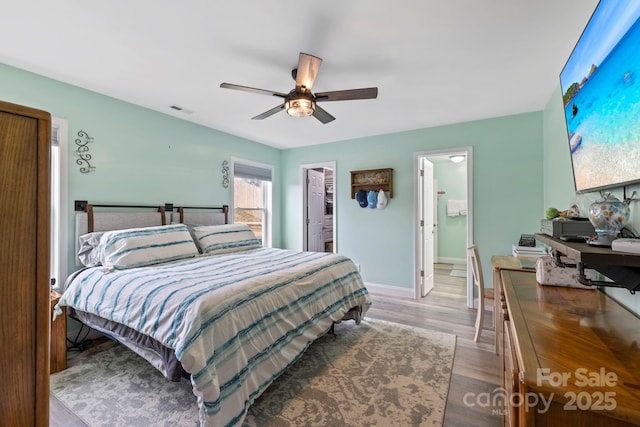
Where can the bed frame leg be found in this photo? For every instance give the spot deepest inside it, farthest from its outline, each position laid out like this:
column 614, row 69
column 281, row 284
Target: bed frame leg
column 332, row 330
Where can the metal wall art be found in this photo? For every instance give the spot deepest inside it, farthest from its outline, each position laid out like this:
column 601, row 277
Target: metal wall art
column 225, row 174
column 82, row 152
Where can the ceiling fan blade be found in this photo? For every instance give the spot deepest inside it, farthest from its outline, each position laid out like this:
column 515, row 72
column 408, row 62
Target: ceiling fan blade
column 252, row 89
column 268, row 113
column 308, row 66
column 322, row 115
column 345, row 95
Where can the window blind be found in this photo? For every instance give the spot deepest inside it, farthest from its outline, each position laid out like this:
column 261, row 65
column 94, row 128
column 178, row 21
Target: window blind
column 55, row 141
column 243, row 170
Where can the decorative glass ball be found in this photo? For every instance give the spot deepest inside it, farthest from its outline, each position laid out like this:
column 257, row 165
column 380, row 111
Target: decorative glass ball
column 608, row 216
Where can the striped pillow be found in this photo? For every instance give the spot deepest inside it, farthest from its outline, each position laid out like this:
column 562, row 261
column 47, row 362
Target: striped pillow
column 138, row 247
column 222, row 239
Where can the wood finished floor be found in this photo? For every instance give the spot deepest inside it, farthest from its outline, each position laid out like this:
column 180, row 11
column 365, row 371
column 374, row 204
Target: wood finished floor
column 476, row 368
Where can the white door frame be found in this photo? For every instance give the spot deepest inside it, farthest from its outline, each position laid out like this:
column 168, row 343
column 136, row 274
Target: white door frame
column 303, row 176
column 63, row 210
column 427, row 227
column 468, row 152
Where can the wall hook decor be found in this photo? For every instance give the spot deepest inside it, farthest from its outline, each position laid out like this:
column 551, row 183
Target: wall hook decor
column 225, row 174
column 82, row 152
column 372, row 179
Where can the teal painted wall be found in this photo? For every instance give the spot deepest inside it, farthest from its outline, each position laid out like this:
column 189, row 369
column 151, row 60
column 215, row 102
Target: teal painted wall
column 149, row 157
column 521, row 165
column 508, row 193
column 452, row 230
column 141, row 156
column 559, row 190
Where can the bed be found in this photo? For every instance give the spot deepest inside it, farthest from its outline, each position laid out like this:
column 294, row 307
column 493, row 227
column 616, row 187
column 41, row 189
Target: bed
column 192, row 293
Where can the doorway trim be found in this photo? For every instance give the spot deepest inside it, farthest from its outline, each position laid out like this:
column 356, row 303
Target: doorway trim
column 468, row 152
column 63, row 197
column 303, row 214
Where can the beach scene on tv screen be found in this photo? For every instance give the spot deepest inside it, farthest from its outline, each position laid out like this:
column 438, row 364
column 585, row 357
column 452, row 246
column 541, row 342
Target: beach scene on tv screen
column 601, row 92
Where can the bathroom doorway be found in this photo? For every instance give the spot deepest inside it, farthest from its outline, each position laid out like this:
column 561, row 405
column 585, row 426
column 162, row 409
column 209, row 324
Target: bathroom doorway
column 443, row 212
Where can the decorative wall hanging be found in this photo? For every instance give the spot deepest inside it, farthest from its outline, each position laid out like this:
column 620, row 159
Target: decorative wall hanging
column 82, row 152
column 225, row 174
column 372, row 179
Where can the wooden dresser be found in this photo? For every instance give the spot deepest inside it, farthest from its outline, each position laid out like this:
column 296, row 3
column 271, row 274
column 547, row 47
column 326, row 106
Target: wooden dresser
column 571, row 356
column 24, row 265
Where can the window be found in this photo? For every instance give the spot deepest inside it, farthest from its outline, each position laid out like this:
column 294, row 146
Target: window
column 252, row 198
column 59, row 240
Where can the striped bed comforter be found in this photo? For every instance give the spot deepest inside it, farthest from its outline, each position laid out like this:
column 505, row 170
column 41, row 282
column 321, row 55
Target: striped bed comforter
column 235, row 321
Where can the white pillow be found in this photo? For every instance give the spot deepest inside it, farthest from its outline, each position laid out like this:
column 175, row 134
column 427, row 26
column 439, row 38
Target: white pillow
column 137, row 247
column 221, row 239
column 88, row 252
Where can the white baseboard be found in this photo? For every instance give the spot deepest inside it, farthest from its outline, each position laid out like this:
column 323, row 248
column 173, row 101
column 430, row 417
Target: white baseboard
column 487, row 307
column 391, row 291
column 446, row 260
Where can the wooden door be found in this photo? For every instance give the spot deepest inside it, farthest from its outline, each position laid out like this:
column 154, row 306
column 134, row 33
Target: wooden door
column 24, row 265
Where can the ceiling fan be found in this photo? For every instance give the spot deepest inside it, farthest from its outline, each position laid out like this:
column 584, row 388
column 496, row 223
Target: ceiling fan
column 301, row 102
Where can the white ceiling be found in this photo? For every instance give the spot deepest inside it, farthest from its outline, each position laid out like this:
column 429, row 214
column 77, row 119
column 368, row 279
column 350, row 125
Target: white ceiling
column 435, row 62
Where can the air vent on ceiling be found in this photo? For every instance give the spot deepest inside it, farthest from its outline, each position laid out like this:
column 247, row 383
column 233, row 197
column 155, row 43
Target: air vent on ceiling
column 181, row 109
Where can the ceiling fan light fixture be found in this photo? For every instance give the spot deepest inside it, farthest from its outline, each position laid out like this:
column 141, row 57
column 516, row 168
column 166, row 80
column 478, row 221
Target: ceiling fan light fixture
column 301, row 102
column 300, row 107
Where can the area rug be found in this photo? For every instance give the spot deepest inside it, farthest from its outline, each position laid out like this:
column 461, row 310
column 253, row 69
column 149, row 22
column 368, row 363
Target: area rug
column 378, row 373
column 458, row 270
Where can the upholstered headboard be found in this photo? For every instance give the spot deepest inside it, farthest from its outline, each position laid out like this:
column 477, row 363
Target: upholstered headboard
column 199, row 216
column 105, row 217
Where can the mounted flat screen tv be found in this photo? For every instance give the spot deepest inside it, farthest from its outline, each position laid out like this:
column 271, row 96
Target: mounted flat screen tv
column 601, row 92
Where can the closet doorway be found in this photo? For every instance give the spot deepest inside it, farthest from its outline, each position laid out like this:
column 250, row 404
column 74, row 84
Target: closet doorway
column 443, row 198
column 318, row 207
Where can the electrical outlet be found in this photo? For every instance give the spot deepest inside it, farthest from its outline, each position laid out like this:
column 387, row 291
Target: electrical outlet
column 358, row 267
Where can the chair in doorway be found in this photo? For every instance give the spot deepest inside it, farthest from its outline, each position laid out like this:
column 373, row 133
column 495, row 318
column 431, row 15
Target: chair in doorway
column 478, row 281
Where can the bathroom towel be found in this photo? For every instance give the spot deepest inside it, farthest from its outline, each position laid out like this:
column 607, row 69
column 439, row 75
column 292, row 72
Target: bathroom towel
column 456, row 207
column 453, row 208
column 463, row 207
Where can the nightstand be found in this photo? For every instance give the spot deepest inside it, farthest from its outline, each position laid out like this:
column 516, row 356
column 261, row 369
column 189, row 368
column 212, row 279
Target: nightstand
column 58, row 357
